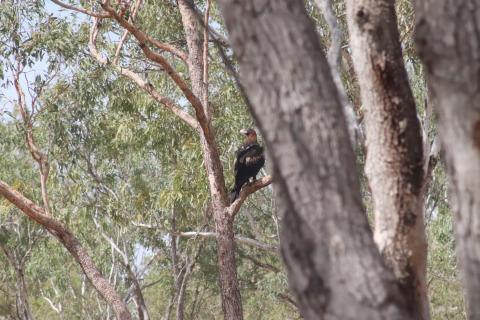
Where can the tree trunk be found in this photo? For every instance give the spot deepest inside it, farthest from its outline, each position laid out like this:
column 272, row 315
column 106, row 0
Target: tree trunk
column 448, row 42
column 23, row 306
column 182, row 293
column 192, row 28
column 394, row 161
column 334, row 268
column 230, row 289
column 71, row 243
column 139, row 299
column 231, row 299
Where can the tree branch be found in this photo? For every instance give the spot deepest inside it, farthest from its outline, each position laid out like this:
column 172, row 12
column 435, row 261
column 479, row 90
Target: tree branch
column 145, row 85
column 66, row 237
column 52, row 305
column 126, row 32
column 334, row 57
column 82, row 10
column 143, row 38
column 27, row 118
column 205, row 61
column 239, row 239
column 247, row 190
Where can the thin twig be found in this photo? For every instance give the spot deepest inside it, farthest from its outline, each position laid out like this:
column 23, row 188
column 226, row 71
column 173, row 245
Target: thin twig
column 81, row 10
column 240, row 239
column 145, row 85
column 126, row 32
column 205, row 61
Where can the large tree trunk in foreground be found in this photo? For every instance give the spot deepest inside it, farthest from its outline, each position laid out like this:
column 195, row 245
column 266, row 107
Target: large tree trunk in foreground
column 333, row 265
column 448, row 39
column 394, row 162
column 71, row 243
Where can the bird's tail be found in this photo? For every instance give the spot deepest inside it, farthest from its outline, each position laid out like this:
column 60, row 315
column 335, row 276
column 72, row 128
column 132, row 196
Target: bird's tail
column 234, row 193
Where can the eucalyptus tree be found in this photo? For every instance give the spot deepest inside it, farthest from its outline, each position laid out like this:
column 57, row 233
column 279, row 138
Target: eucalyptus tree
column 18, row 237
column 158, row 57
column 140, row 124
column 129, row 17
column 22, row 48
column 290, row 100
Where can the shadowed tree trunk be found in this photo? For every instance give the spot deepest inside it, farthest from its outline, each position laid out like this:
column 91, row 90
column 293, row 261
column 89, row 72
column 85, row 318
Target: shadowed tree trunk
column 447, row 36
column 394, row 161
column 334, row 267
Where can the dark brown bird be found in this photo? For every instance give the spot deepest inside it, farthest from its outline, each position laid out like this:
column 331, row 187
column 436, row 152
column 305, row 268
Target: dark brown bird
column 248, row 162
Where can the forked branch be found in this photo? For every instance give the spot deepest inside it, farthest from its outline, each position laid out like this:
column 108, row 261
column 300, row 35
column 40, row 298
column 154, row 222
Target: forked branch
column 135, row 77
column 158, row 58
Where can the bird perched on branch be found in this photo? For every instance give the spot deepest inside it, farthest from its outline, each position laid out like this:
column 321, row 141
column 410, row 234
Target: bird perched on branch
column 248, row 162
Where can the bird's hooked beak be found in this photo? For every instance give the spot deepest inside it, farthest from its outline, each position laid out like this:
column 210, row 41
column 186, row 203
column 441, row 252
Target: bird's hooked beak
column 244, row 131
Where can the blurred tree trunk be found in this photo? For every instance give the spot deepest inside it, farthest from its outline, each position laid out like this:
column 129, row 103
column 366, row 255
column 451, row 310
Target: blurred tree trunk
column 447, row 37
column 22, row 304
column 394, row 160
column 334, row 267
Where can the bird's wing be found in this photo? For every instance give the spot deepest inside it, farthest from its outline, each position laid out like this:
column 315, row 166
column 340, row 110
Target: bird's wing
column 247, row 155
column 240, row 156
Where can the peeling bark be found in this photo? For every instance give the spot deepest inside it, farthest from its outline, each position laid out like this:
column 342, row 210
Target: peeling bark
column 394, row 161
column 447, row 37
column 334, row 268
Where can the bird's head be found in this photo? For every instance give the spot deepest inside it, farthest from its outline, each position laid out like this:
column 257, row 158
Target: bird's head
column 250, row 135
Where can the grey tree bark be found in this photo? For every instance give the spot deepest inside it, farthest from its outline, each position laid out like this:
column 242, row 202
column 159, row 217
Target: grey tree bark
column 334, row 267
column 448, row 41
column 394, row 161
